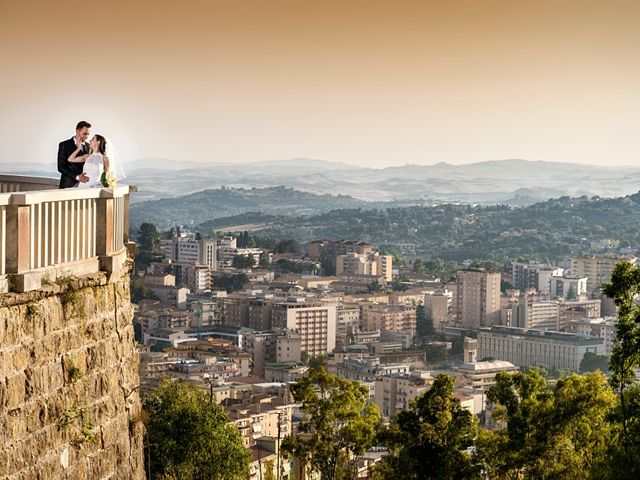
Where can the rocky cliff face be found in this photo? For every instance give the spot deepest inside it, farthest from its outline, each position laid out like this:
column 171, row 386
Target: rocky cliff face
column 69, row 398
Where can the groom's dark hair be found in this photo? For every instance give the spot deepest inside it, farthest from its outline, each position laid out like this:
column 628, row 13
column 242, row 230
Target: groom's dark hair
column 82, row 124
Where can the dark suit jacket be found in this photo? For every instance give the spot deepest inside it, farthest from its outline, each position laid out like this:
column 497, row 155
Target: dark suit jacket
column 69, row 171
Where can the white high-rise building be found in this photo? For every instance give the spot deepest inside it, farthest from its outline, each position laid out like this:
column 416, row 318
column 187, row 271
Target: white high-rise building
column 186, row 249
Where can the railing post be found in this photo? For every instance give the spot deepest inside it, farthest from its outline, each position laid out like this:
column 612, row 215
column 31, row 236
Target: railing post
column 18, row 237
column 18, row 246
column 104, row 226
column 125, row 221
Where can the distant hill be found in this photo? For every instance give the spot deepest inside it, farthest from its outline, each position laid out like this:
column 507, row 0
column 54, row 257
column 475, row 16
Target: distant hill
column 513, row 181
column 210, row 204
column 549, row 229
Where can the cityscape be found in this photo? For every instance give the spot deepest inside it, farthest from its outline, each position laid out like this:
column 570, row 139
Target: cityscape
column 293, row 240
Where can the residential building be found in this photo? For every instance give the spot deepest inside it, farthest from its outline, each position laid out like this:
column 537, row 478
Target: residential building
column 347, row 322
column 314, row 321
column 477, row 298
column 284, row 372
column 577, row 309
column 541, row 315
column 394, row 318
column 570, row 287
column 533, row 275
column 227, row 250
column 393, row 393
column 188, row 249
column 173, row 296
column 597, row 268
column 436, row 308
column 331, row 249
column 262, row 348
column 596, row 327
column 365, row 264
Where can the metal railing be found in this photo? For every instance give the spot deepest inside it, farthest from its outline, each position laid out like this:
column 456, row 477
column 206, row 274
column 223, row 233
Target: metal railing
column 46, row 233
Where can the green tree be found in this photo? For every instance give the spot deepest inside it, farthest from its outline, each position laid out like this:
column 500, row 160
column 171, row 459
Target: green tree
column 243, row 261
column 190, row 437
column 551, row 434
column 418, row 266
column 591, row 362
column 289, row 246
column 230, row 282
column 148, row 241
column 338, row 424
column 431, row 440
column 328, row 265
column 424, row 324
column 624, row 289
column 148, row 237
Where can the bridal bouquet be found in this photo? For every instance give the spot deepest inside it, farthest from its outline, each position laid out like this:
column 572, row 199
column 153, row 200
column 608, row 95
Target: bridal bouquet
column 108, row 180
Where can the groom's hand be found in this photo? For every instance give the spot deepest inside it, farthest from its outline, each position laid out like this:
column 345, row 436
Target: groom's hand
column 82, row 178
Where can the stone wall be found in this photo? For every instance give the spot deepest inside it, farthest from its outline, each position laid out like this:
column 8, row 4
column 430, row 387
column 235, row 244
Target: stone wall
column 69, row 398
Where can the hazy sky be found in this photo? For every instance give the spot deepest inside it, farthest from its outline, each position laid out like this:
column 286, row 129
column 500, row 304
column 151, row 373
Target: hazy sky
column 365, row 82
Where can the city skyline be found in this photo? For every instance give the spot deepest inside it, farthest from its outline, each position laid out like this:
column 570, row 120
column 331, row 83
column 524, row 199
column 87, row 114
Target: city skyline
column 364, row 83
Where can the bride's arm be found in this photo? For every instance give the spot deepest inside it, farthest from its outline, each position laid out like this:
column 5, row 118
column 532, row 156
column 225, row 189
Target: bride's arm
column 105, row 161
column 74, row 158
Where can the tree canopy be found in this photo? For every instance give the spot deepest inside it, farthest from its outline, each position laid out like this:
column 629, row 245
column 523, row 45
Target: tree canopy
column 431, row 440
column 338, row 424
column 190, row 437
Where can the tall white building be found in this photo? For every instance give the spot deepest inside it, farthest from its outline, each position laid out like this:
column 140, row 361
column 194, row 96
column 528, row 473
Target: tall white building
column 186, row 249
column 314, row 321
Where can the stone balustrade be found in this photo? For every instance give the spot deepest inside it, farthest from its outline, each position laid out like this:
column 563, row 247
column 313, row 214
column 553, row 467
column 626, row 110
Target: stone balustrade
column 46, row 233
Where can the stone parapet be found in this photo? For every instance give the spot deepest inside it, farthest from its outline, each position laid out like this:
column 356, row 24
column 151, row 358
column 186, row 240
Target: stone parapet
column 69, row 398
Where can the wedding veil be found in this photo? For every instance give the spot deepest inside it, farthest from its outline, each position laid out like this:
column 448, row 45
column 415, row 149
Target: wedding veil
column 115, row 163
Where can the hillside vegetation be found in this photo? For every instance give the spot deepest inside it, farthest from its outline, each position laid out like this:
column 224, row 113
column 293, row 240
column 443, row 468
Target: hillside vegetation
column 544, row 230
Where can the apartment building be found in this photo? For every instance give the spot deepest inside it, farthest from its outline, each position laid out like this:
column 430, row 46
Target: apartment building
column 570, row 287
column 331, row 249
column 577, row 309
column 596, row 327
column 314, row 321
column 528, row 347
column 533, row 275
column 365, row 264
column 540, row 314
column 436, row 308
column 597, row 268
column 187, row 249
column 393, row 393
column 478, row 298
column 394, row 318
column 347, row 322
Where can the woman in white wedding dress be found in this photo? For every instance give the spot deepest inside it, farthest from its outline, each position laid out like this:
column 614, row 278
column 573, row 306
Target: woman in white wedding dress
column 95, row 162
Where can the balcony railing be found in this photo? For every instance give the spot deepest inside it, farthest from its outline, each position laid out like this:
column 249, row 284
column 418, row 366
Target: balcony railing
column 46, row 233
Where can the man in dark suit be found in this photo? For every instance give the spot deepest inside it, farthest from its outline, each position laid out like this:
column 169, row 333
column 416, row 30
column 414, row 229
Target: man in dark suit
column 71, row 173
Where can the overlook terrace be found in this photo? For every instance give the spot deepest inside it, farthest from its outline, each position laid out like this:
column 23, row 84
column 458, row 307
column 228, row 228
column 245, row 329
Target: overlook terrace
column 47, row 233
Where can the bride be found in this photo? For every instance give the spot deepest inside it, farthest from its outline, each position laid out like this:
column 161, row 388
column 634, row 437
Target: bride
column 94, row 163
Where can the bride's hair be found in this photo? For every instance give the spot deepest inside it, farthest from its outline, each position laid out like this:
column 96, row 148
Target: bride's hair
column 102, row 144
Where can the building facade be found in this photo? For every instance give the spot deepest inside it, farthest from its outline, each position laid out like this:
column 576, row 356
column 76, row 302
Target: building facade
column 528, row 348
column 478, row 298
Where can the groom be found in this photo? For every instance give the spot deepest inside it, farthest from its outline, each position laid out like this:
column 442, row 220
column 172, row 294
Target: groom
column 71, row 173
